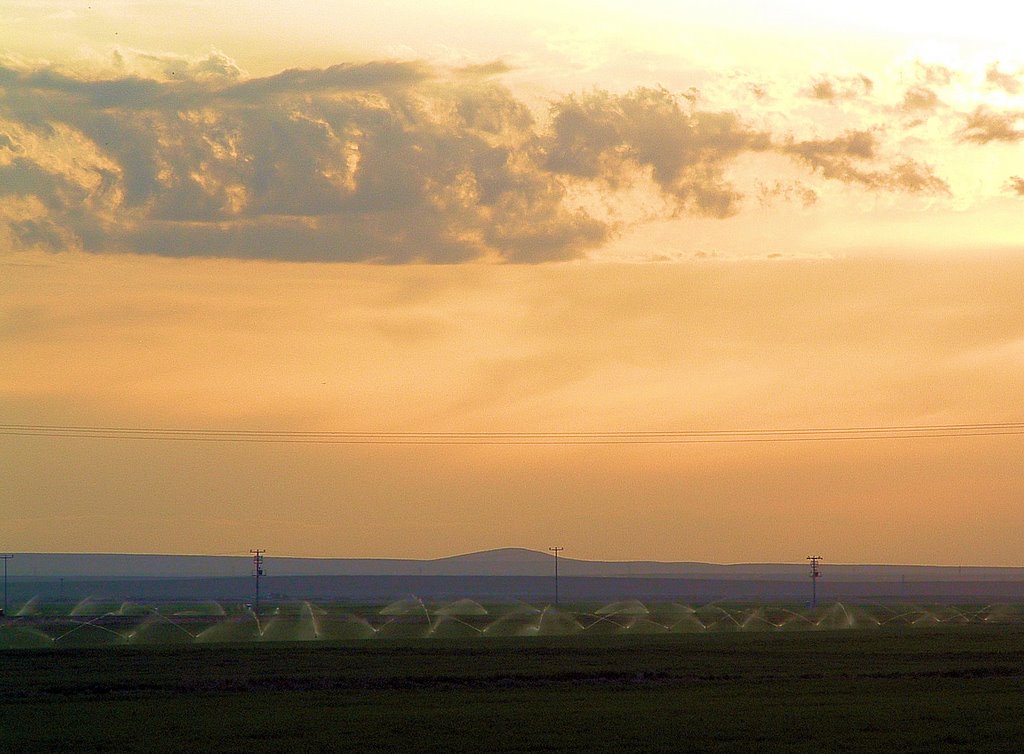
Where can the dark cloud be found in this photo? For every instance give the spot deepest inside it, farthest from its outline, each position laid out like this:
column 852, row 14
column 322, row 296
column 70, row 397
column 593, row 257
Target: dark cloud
column 838, row 158
column 985, row 125
column 912, row 177
column 369, row 162
column 493, row 68
column 853, row 158
column 49, row 86
column 605, row 136
column 70, row 209
column 386, row 162
column 376, row 75
column 832, row 89
column 786, row 191
column 918, row 99
column 1002, row 80
column 192, row 89
column 1016, row 185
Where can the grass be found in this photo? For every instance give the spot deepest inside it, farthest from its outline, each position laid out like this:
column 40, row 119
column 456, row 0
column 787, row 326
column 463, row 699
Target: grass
column 947, row 688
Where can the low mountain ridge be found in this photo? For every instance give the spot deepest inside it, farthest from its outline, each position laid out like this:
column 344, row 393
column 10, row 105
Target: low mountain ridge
column 509, row 561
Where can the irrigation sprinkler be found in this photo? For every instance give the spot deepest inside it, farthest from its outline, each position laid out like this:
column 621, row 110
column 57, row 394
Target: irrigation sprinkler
column 556, row 550
column 815, row 575
column 257, row 571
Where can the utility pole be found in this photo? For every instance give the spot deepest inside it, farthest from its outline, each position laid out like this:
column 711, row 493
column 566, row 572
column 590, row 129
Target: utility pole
column 6, row 556
column 257, row 571
column 815, row 575
column 556, row 550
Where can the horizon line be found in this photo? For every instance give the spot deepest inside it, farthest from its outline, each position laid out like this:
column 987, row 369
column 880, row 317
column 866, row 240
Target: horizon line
column 795, row 563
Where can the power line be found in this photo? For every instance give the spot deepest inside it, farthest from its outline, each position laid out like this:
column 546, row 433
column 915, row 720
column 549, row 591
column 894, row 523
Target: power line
column 815, row 575
column 556, row 550
column 615, row 437
column 5, row 557
column 257, row 572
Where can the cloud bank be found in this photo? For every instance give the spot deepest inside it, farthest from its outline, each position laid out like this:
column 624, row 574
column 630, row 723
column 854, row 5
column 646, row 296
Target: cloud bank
column 986, row 125
column 384, row 161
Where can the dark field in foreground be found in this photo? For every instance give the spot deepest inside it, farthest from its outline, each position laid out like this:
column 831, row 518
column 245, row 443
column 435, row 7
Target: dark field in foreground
column 894, row 690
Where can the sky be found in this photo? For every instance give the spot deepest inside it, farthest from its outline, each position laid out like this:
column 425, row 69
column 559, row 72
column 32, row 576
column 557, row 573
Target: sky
column 526, row 217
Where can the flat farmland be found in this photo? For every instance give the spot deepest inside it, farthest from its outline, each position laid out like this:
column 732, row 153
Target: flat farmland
column 942, row 688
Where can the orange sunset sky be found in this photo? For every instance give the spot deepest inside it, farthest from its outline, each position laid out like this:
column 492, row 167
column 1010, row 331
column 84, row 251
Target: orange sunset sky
column 520, row 217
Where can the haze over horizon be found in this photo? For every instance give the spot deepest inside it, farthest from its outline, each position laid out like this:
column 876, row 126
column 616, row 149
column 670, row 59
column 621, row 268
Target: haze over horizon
column 556, row 217
column 494, row 558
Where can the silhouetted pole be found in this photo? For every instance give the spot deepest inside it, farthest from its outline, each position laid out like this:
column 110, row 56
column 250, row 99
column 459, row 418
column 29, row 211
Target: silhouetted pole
column 6, row 557
column 815, row 575
column 257, row 571
column 556, row 550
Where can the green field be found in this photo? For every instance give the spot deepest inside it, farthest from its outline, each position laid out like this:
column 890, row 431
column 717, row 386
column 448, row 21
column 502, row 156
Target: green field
column 102, row 623
column 882, row 689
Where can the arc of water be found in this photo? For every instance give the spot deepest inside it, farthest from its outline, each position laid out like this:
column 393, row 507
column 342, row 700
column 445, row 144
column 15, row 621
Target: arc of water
column 37, row 632
column 798, row 616
column 28, row 608
column 731, row 617
column 540, row 619
column 95, row 624
column 610, row 618
column 259, row 626
column 977, row 613
column 312, row 617
column 752, row 615
column 430, row 625
column 556, row 611
column 679, row 622
column 895, row 617
column 359, row 619
column 956, row 613
column 456, row 619
column 640, row 619
column 163, row 617
column 846, row 613
column 685, row 608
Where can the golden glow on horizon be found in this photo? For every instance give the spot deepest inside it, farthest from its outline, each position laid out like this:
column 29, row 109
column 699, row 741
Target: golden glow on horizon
column 149, row 342
column 820, row 206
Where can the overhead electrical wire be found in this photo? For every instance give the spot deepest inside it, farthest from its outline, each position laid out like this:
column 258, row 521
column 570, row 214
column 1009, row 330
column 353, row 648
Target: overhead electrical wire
column 615, row 437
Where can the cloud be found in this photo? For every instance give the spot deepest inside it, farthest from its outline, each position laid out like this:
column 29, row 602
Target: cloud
column 912, row 177
column 791, row 191
column 215, row 67
column 833, row 89
column 985, row 125
column 606, row 136
column 1001, row 80
column 934, row 74
column 374, row 75
column 852, row 158
column 1016, row 185
column 493, row 68
column 383, row 161
column 919, row 99
column 352, row 162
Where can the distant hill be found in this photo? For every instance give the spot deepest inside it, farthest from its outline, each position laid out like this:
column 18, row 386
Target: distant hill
column 511, row 562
